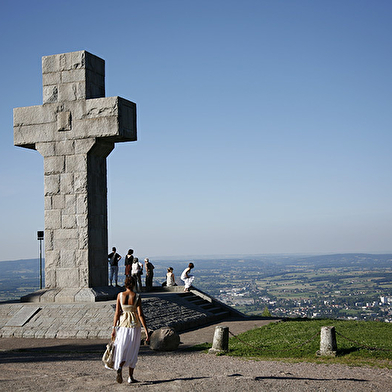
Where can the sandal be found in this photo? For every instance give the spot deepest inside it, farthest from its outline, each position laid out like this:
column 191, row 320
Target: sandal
column 119, row 377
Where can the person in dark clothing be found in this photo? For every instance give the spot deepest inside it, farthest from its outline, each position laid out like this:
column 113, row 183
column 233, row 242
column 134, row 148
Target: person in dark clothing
column 128, row 262
column 149, row 274
column 113, row 259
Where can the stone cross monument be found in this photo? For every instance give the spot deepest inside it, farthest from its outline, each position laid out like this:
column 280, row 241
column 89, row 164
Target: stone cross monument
column 74, row 130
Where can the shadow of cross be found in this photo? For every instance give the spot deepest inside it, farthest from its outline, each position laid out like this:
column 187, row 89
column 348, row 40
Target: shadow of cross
column 75, row 130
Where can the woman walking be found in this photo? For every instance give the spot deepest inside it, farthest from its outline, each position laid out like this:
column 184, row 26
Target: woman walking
column 127, row 330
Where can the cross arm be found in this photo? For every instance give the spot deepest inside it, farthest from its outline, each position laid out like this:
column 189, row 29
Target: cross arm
column 112, row 118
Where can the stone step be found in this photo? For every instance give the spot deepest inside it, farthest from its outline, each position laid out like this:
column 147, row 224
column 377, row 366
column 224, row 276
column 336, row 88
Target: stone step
column 162, row 308
column 222, row 315
column 199, row 301
column 212, row 307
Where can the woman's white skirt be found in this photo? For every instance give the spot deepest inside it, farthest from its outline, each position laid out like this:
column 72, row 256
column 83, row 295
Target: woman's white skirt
column 188, row 281
column 127, row 344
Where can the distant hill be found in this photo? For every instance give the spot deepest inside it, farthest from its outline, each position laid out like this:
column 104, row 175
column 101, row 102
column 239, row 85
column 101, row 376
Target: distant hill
column 21, row 277
column 18, row 278
column 360, row 260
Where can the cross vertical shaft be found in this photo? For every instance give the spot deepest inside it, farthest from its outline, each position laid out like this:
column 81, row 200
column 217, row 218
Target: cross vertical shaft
column 75, row 129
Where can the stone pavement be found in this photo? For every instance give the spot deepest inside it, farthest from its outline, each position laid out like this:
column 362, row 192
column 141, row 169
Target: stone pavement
column 93, row 320
column 188, row 338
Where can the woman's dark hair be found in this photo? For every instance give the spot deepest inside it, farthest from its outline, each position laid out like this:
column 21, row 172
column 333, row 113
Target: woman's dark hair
column 190, row 265
column 129, row 282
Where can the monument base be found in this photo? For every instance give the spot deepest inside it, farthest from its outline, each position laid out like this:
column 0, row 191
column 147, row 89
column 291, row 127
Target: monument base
column 67, row 295
column 168, row 308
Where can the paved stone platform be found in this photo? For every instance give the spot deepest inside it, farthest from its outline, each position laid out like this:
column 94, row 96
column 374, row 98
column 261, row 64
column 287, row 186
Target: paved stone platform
column 93, row 320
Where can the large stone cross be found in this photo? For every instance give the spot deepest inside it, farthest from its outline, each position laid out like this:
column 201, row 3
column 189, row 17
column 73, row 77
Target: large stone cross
column 75, row 130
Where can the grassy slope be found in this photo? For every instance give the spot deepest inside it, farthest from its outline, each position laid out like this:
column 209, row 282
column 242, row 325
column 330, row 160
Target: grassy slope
column 359, row 343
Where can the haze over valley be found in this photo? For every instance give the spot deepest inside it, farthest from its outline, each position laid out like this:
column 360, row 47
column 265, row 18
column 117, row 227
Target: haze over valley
column 349, row 286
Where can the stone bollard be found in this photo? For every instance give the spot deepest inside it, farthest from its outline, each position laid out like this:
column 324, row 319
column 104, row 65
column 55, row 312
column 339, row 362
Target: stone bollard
column 328, row 345
column 221, row 340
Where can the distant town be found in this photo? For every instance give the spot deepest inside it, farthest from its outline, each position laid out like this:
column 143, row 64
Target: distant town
column 353, row 287
column 343, row 286
column 244, row 298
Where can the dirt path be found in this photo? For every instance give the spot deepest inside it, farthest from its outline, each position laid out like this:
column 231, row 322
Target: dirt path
column 76, row 366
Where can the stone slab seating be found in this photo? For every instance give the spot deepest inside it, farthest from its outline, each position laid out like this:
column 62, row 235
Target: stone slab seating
column 74, row 130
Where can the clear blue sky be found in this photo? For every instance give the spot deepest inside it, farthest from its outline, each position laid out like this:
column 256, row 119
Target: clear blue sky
column 263, row 126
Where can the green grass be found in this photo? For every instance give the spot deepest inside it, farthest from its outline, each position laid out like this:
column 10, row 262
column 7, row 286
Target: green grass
column 359, row 343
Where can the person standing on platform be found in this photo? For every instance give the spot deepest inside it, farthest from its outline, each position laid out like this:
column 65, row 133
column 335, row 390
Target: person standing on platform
column 113, row 259
column 136, row 272
column 128, row 262
column 149, row 274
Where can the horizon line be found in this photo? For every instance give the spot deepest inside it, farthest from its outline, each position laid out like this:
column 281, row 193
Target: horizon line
column 232, row 255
